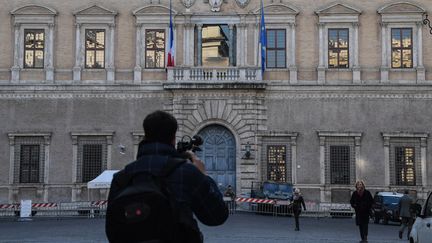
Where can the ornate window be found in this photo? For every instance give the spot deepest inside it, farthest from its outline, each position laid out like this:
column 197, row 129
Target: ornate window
column 338, row 28
column 279, row 153
column 402, row 41
column 152, row 35
column 91, row 155
column 276, row 48
column 281, row 39
column 405, row 158
column 339, row 157
column 276, row 163
column 34, row 48
column 94, row 48
column 155, row 49
column 338, row 48
column 401, row 48
column 405, row 166
column 34, row 40
column 29, row 157
column 94, row 42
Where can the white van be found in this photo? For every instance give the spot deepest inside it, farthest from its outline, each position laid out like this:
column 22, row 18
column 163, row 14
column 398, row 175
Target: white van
column 422, row 231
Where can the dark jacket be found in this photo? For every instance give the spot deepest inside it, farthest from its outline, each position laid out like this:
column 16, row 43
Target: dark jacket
column 297, row 203
column 194, row 192
column 362, row 206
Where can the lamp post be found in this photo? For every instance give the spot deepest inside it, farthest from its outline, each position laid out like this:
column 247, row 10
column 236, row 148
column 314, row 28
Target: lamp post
column 427, row 22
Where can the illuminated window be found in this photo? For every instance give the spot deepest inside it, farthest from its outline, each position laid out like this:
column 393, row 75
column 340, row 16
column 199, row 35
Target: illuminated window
column 155, row 49
column 276, row 48
column 402, row 48
column 405, row 166
column 94, row 48
column 276, row 159
column 34, row 44
column 340, row 165
column 338, row 49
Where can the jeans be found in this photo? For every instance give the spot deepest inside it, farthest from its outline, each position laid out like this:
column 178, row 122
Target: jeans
column 406, row 222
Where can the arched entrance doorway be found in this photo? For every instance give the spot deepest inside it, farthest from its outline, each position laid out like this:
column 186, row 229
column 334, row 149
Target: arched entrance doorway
column 219, row 153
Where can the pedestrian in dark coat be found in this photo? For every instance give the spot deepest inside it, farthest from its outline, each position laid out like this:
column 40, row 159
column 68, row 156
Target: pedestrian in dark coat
column 361, row 201
column 297, row 203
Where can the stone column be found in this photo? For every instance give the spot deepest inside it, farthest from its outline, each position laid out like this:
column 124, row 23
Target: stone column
column 386, row 161
column 421, row 73
column 294, row 159
column 321, row 65
column 423, row 147
column 356, row 67
column 49, row 69
column 138, row 53
column 292, row 63
column 11, row 159
column 110, row 67
column 16, row 67
column 357, row 141
column 109, row 152
column 199, row 49
column 241, row 44
column 47, row 143
column 323, row 197
column 231, row 45
column 384, row 65
column 256, row 45
column 78, row 64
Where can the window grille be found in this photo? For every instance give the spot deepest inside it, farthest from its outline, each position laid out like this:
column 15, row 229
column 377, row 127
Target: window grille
column 94, row 48
column 92, row 161
column 29, row 163
column 91, row 157
column 276, row 159
column 155, row 49
column 405, row 166
column 276, row 48
column 338, row 48
column 340, row 165
column 34, row 44
column 402, row 48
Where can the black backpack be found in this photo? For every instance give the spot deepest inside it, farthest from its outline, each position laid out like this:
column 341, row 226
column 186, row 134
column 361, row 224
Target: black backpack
column 141, row 207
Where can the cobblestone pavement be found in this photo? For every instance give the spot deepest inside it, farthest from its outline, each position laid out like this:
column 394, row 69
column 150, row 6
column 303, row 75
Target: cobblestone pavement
column 240, row 228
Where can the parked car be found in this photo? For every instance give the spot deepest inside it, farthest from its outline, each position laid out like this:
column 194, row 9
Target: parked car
column 386, row 207
column 422, row 231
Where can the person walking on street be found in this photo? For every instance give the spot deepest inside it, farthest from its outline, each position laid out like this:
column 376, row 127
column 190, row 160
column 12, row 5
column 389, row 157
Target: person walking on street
column 361, row 201
column 297, row 203
column 406, row 213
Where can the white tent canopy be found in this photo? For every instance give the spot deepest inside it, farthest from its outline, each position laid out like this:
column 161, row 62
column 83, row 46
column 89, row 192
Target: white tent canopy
column 103, row 180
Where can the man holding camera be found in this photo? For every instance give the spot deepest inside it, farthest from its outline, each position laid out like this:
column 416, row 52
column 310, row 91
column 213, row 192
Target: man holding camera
column 193, row 192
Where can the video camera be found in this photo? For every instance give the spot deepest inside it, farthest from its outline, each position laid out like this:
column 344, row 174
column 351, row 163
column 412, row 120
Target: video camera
column 189, row 143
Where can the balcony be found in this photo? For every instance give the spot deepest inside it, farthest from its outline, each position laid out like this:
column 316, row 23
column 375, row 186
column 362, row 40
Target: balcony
column 214, row 78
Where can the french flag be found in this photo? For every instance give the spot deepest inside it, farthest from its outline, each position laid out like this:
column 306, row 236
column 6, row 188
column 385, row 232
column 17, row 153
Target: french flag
column 170, row 62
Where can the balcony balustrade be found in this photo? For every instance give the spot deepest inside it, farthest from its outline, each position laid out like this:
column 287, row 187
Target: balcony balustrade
column 215, row 74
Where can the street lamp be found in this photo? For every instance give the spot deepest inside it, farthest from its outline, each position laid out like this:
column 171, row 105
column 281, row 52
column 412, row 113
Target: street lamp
column 427, row 22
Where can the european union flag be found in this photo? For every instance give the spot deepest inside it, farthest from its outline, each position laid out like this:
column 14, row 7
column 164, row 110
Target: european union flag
column 263, row 39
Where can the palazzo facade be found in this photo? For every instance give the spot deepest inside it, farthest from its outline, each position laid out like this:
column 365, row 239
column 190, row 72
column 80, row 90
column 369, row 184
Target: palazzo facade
column 346, row 93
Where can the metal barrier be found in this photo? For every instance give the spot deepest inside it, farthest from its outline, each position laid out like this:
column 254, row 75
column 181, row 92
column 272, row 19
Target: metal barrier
column 247, row 205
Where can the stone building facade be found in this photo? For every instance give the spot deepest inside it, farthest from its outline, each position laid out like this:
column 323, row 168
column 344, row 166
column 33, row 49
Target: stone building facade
column 346, row 93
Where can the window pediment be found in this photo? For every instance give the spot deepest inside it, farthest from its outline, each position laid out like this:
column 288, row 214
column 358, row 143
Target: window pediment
column 401, row 7
column 33, row 10
column 279, row 9
column 338, row 8
column 95, row 10
column 153, row 10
